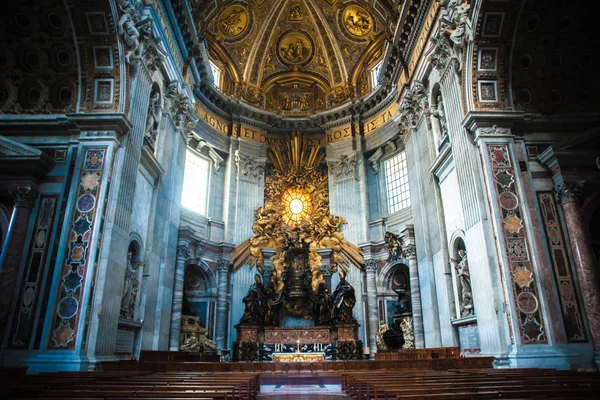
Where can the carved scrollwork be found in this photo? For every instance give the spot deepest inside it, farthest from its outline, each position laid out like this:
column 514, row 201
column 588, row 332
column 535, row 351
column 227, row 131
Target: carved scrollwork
column 248, row 169
column 343, row 168
column 183, row 252
column 411, row 110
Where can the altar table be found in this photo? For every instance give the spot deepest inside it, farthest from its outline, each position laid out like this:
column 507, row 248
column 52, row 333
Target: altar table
column 298, row 357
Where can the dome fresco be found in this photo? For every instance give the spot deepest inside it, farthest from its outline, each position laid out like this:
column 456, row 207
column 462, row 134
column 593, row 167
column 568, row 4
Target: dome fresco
column 294, row 57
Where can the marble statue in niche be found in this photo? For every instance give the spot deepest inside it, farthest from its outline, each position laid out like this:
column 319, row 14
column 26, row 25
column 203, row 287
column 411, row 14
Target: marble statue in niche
column 154, row 116
column 131, row 288
column 343, row 301
column 254, row 302
column 466, row 295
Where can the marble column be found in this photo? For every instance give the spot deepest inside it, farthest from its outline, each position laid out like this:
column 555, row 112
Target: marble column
column 12, row 252
column 409, row 250
column 569, row 194
column 223, row 268
column 183, row 254
column 370, row 268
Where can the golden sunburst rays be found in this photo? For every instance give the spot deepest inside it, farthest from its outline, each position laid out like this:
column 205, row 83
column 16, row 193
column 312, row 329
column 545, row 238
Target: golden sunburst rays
column 296, row 211
column 299, row 155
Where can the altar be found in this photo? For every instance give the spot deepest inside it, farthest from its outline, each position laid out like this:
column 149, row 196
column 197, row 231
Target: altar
column 308, row 343
column 298, row 357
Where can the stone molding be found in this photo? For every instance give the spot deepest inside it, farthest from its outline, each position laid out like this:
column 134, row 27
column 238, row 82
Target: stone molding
column 409, row 251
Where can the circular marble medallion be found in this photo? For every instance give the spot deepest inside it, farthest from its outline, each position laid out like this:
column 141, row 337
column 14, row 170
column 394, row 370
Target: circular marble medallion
column 357, row 21
column 68, row 307
column 508, row 201
column 233, row 21
column 527, row 302
column 86, row 203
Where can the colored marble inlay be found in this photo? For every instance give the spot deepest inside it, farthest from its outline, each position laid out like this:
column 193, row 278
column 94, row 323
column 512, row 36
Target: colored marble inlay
column 523, row 280
column 23, row 321
column 74, row 270
column 563, row 276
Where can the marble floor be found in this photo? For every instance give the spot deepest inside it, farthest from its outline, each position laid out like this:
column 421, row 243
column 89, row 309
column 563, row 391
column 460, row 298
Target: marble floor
column 301, row 387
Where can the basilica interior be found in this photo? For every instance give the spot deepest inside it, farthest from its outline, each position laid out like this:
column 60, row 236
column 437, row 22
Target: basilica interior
column 327, row 180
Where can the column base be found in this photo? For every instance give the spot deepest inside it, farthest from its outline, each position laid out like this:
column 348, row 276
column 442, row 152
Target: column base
column 58, row 361
column 571, row 356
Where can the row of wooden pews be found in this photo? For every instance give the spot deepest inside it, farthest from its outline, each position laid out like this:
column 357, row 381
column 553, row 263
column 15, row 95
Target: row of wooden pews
column 129, row 384
column 472, row 384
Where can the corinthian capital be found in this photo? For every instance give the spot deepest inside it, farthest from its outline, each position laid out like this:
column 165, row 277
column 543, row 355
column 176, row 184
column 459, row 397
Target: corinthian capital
column 410, row 251
column 183, row 252
column 568, row 191
column 370, row 265
column 24, row 196
column 223, row 266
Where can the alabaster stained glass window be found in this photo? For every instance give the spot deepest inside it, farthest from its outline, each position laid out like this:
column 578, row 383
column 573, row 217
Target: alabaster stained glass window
column 396, row 179
column 195, row 183
column 297, row 205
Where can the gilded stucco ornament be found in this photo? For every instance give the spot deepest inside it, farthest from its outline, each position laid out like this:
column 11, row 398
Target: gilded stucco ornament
column 357, row 21
column 296, row 213
column 295, row 48
column 233, row 21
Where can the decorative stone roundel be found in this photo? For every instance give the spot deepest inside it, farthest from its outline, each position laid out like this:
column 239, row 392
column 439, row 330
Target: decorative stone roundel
column 508, row 200
column 357, row 21
column 233, row 21
column 68, row 307
column 527, row 302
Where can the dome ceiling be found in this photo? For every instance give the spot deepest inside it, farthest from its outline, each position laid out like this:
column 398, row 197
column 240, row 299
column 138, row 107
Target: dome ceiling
column 295, row 57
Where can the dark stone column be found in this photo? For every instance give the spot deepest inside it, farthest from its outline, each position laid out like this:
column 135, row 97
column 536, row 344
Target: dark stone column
column 183, row 254
column 370, row 268
column 223, row 268
column 12, row 252
column 568, row 194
